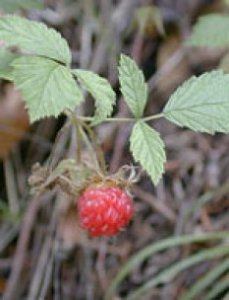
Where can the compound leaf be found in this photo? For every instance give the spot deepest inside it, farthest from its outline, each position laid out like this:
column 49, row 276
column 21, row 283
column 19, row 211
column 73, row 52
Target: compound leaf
column 101, row 91
column 210, row 31
column 48, row 88
column 34, row 37
column 201, row 103
column 133, row 85
column 148, row 149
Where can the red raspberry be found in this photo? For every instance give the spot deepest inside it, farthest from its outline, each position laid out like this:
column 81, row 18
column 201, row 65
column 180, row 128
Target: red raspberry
column 104, row 210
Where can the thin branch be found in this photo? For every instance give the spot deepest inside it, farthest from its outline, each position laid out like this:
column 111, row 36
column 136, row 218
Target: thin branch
column 21, row 253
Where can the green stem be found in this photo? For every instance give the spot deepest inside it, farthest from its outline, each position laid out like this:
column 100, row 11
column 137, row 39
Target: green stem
column 98, row 148
column 77, row 126
column 89, row 137
column 89, row 119
column 78, row 148
column 90, row 149
column 51, row 160
column 153, row 117
column 149, row 118
column 80, row 122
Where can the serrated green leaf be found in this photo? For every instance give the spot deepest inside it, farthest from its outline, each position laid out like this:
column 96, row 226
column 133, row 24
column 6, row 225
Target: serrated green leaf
column 101, row 91
column 6, row 58
column 48, row 88
column 148, row 149
column 10, row 6
column 34, row 37
column 201, row 103
column 210, row 31
column 133, row 85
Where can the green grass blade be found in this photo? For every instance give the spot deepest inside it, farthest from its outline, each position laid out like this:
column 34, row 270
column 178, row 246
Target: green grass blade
column 148, row 251
column 176, row 268
column 218, row 288
column 207, row 280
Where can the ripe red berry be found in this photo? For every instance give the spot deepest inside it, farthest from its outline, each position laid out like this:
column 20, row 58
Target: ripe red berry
column 104, row 211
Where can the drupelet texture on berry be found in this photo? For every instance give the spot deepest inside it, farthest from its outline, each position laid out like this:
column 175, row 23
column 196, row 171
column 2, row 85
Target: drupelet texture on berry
column 104, row 211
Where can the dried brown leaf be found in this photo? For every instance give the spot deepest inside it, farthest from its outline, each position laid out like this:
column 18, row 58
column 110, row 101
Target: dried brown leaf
column 13, row 120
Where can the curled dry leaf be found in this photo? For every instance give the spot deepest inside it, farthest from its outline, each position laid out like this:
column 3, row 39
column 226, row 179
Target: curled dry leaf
column 13, row 120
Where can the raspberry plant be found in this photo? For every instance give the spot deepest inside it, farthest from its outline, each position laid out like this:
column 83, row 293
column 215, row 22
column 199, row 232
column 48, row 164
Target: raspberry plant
column 41, row 70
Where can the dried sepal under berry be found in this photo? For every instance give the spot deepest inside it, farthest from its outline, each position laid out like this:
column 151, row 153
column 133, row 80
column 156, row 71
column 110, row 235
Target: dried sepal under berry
column 104, row 211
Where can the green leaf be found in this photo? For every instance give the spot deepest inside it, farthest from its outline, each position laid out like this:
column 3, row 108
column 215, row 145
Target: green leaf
column 133, row 86
column 34, row 37
column 10, row 6
column 47, row 87
column 6, row 58
column 148, row 149
column 210, row 31
column 101, row 91
column 201, row 103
